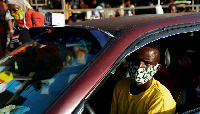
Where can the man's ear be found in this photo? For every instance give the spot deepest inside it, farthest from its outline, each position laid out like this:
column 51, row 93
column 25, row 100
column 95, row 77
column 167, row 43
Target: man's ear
column 159, row 67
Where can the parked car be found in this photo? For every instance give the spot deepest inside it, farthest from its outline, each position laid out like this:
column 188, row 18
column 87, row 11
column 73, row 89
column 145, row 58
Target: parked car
column 73, row 69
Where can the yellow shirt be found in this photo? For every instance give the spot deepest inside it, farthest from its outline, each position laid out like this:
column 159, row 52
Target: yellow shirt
column 156, row 99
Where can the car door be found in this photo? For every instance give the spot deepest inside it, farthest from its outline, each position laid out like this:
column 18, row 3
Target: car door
column 183, row 40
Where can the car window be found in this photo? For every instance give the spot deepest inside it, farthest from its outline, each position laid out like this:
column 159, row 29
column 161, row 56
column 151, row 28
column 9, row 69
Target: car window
column 38, row 71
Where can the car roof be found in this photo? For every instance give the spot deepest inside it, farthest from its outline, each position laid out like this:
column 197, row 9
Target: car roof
column 127, row 22
column 134, row 27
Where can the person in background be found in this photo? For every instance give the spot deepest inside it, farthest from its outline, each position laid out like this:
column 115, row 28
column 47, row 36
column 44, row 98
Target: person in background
column 173, row 8
column 10, row 21
column 72, row 19
column 127, row 4
column 83, row 14
column 57, row 4
column 187, row 9
column 3, row 30
column 111, row 13
column 100, row 13
column 24, row 14
column 139, row 92
column 170, row 2
column 67, row 7
column 93, row 4
column 10, row 27
column 83, row 5
column 26, row 17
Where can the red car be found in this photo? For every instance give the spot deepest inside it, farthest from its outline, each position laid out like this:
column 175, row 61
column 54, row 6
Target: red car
column 74, row 69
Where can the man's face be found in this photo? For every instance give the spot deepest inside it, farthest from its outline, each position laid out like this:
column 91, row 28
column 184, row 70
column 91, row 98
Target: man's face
column 147, row 57
column 144, row 65
column 173, row 9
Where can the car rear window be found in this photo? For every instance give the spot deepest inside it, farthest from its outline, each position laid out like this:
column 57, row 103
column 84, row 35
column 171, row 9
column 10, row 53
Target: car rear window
column 39, row 70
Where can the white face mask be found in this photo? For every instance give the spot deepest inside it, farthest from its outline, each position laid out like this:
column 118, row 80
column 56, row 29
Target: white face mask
column 140, row 75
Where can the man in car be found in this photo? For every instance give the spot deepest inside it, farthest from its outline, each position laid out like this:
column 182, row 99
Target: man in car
column 139, row 92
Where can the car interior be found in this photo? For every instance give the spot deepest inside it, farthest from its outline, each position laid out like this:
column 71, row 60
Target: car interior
column 179, row 73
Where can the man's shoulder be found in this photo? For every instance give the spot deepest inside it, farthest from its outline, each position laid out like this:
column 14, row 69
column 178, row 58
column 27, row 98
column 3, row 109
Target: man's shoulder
column 124, row 82
column 160, row 87
column 162, row 93
column 36, row 14
column 30, row 10
column 161, row 90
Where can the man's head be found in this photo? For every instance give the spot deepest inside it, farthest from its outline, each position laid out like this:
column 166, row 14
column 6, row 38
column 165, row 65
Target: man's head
column 173, row 8
column 144, row 63
column 149, row 53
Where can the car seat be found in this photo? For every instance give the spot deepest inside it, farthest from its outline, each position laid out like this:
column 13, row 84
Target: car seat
column 176, row 75
column 184, row 92
column 169, row 73
column 185, row 97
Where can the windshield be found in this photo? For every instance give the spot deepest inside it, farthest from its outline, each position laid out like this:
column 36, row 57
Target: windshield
column 33, row 75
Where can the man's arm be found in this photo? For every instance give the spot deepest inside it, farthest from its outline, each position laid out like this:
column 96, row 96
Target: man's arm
column 133, row 11
column 102, row 15
column 10, row 27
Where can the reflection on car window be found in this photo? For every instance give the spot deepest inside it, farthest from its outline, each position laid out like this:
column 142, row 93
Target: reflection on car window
column 33, row 75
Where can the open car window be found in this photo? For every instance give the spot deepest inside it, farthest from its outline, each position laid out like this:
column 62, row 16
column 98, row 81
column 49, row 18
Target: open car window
column 179, row 73
column 38, row 71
